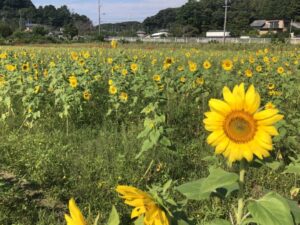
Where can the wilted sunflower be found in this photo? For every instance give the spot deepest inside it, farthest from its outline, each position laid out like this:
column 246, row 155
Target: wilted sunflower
column 144, row 205
column 75, row 217
column 238, row 129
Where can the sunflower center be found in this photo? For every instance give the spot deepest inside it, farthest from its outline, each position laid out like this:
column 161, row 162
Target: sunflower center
column 240, row 127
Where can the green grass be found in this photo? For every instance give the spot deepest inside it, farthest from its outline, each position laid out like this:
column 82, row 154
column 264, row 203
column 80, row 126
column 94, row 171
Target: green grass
column 89, row 162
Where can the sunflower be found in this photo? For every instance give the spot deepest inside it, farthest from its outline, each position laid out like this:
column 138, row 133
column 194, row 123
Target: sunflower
column 74, row 56
column 144, row 205
column 25, row 67
column 280, row 70
column 124, row 72
column 75, row 217
column 248, row 73
column 112, row 90
column 258, row 69
column 199, row 81
column 73, row 81
column 206, row 65
column 271, row 86
column 238, row 129
column 123, row 96
column 156, row 78
column 86, row 95
column 227, row 65
column 10, row 67
column 192, row 66
column 114, row 43
column 134, row 67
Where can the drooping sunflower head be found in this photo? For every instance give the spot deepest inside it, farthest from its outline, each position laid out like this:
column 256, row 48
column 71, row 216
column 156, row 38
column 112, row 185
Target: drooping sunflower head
column 238, row 129
column 144, row 204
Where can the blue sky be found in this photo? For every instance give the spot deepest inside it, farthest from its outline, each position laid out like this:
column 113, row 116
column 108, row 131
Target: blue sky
column 114, row 10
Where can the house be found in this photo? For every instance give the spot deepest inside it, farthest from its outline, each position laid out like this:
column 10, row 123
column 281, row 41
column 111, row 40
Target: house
column 141, row 34
column 160, row 34
column 269, row 26
column 29, row 26
column 217, row 34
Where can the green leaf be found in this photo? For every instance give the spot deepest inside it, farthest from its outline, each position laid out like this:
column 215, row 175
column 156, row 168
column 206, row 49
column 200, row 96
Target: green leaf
column 271, row 209
column 293, row 168
column 219, row 222
column 295, row 209
column 202, row 188
column 113, row 217
column 274, row 165
column 139, row 221
column 165, row 141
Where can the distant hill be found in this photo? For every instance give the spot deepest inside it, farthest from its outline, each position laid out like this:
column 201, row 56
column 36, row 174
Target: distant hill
column 198, row 16
column 17, row 13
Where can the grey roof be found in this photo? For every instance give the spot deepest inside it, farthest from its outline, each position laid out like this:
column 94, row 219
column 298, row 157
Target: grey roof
column 258, row 23
column 296, row 25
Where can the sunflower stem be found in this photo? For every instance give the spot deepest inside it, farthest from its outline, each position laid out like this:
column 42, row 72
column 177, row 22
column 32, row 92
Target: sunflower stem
column 241, row 203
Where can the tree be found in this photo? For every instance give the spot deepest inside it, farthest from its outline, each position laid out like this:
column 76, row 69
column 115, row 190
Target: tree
column 5, row 30
column 70, row 30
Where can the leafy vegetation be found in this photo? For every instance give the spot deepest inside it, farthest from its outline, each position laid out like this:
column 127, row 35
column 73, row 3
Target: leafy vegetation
column 77, row 122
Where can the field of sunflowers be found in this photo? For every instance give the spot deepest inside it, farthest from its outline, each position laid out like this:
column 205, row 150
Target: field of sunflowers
column 99, row 124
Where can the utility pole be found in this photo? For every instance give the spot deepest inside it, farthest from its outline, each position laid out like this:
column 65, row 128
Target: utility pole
column 291, row 28
column 225, row 20
column 99, row 17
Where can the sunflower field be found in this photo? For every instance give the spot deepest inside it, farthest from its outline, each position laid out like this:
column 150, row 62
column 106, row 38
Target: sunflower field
column 209, row 133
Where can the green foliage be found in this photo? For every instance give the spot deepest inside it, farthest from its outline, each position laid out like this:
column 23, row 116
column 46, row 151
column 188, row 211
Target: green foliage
column 5, row 30
column 203, row 188
column 271, row 209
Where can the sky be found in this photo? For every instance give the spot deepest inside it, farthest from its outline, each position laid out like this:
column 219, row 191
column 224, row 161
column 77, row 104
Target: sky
column 113, row 11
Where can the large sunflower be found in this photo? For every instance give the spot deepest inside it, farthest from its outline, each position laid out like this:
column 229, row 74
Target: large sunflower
column 239, row 129
column 144, row 205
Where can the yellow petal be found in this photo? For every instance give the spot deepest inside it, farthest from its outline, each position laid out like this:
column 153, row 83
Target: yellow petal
column 214, row 136
column 265, row 114
column 270, row 121
column 136, row 212
column 75, row 213
column 221, row 147
column 269, row 129
column 219, row 106
column 69, row 220
column 252, row 100
column 247, row 153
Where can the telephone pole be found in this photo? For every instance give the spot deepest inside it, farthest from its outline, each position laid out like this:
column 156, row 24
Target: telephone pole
column 99, row 17
column 225, row 20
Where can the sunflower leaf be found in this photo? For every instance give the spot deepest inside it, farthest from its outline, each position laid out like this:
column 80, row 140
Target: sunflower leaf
column 271, row 209
column 113, row 217
column 216, row 181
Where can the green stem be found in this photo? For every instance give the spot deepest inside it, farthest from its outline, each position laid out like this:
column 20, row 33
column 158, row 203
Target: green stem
column 241, row 203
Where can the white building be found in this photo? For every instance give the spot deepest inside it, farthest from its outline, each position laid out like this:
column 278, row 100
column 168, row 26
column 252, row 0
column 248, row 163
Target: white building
column 217, row 34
